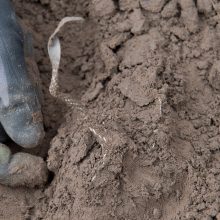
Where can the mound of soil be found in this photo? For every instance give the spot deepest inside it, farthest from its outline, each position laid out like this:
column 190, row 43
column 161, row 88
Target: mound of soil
column 148, row 145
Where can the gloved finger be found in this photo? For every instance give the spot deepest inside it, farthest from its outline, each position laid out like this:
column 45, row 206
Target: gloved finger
column 21, row 169
column 20, row 110
column 23, row 127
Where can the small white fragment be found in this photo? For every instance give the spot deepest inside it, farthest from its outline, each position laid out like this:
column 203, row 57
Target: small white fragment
column 93, row 178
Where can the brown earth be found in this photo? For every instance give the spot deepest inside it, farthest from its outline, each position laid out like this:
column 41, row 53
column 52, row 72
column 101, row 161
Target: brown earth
column 148, row 144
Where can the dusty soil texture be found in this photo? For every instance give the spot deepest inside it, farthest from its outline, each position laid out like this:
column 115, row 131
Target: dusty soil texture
column 147, row 145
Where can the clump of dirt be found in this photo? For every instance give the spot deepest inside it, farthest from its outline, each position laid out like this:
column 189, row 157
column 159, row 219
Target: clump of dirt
column 147, row 146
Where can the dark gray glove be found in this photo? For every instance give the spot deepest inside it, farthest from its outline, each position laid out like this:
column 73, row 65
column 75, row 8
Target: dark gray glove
column 20, row 109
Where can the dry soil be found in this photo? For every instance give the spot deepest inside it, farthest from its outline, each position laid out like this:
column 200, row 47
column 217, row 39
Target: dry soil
column 147, row 147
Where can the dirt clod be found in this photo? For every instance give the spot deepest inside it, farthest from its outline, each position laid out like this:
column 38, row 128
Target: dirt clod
column 152, row 5
column 27, row 170
column 102, row 8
